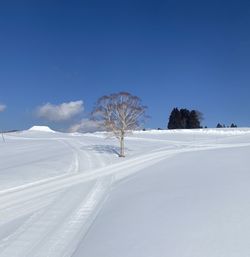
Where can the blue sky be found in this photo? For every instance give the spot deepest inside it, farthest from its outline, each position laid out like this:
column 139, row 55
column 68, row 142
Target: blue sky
column 172, row 53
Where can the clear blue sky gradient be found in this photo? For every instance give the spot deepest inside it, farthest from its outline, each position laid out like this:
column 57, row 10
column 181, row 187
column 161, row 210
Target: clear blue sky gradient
column 172, row 53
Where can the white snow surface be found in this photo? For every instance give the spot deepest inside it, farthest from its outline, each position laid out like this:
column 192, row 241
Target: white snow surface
column 41, row 129
column 177, row 193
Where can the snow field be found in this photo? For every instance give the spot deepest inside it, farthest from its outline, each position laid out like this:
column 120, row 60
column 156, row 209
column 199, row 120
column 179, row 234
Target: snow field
column 54, row 188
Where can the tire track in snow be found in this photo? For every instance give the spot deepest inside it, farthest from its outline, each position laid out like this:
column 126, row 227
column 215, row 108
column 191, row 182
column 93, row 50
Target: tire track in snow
column 75, row 165
column 13, row 196
column 43, row 224
column 56, row 231
column 30, row 206
column 84, row 159
column 65, row 240
column 25, row 207
column 24, row 242
column 33, row 206
column 69, row 222
column 97, row 160
column 4, row 243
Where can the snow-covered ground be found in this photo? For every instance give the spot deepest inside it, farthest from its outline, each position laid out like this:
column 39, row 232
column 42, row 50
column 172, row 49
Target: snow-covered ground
column 178, row 193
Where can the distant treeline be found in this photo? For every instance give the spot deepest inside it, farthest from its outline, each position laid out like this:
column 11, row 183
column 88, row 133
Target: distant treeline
column 224, row 126
column 184, row 119
column 189, row 119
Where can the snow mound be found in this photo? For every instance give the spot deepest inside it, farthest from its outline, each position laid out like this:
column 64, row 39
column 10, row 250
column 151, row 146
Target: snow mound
column 41, row 129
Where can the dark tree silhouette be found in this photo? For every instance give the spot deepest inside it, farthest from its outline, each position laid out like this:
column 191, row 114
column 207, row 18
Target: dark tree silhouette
column 185, row 116
column 233, row 125
column 184, row 119
column 174, row 119
column 194, row 121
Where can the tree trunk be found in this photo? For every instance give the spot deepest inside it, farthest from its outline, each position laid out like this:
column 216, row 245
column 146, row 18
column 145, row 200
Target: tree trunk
column 122, row 146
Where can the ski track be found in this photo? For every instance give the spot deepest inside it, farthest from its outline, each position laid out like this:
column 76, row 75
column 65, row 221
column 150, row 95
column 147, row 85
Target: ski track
column 64, row 241
column 75, row 165
column 85, row 161
column 56, row 229
column 35, row 190
column 53, row 228
column 25, row 207
column 97, row 160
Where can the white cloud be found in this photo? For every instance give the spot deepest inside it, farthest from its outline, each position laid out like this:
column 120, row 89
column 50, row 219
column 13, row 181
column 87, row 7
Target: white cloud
column 2, row 107
column 61, row 112
column 85, row 125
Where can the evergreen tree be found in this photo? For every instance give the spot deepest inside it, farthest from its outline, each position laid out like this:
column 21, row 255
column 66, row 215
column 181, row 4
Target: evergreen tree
column 185, row 115
column 193, row 121
column 233, row 125
column 174, row 119
column 184, row 119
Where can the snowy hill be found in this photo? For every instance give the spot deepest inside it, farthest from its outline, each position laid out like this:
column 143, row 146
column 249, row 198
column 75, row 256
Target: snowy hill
column 41, row 129
column 177, row 193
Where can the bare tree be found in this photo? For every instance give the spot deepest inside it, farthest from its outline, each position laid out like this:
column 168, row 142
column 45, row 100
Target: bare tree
column 119, row 113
